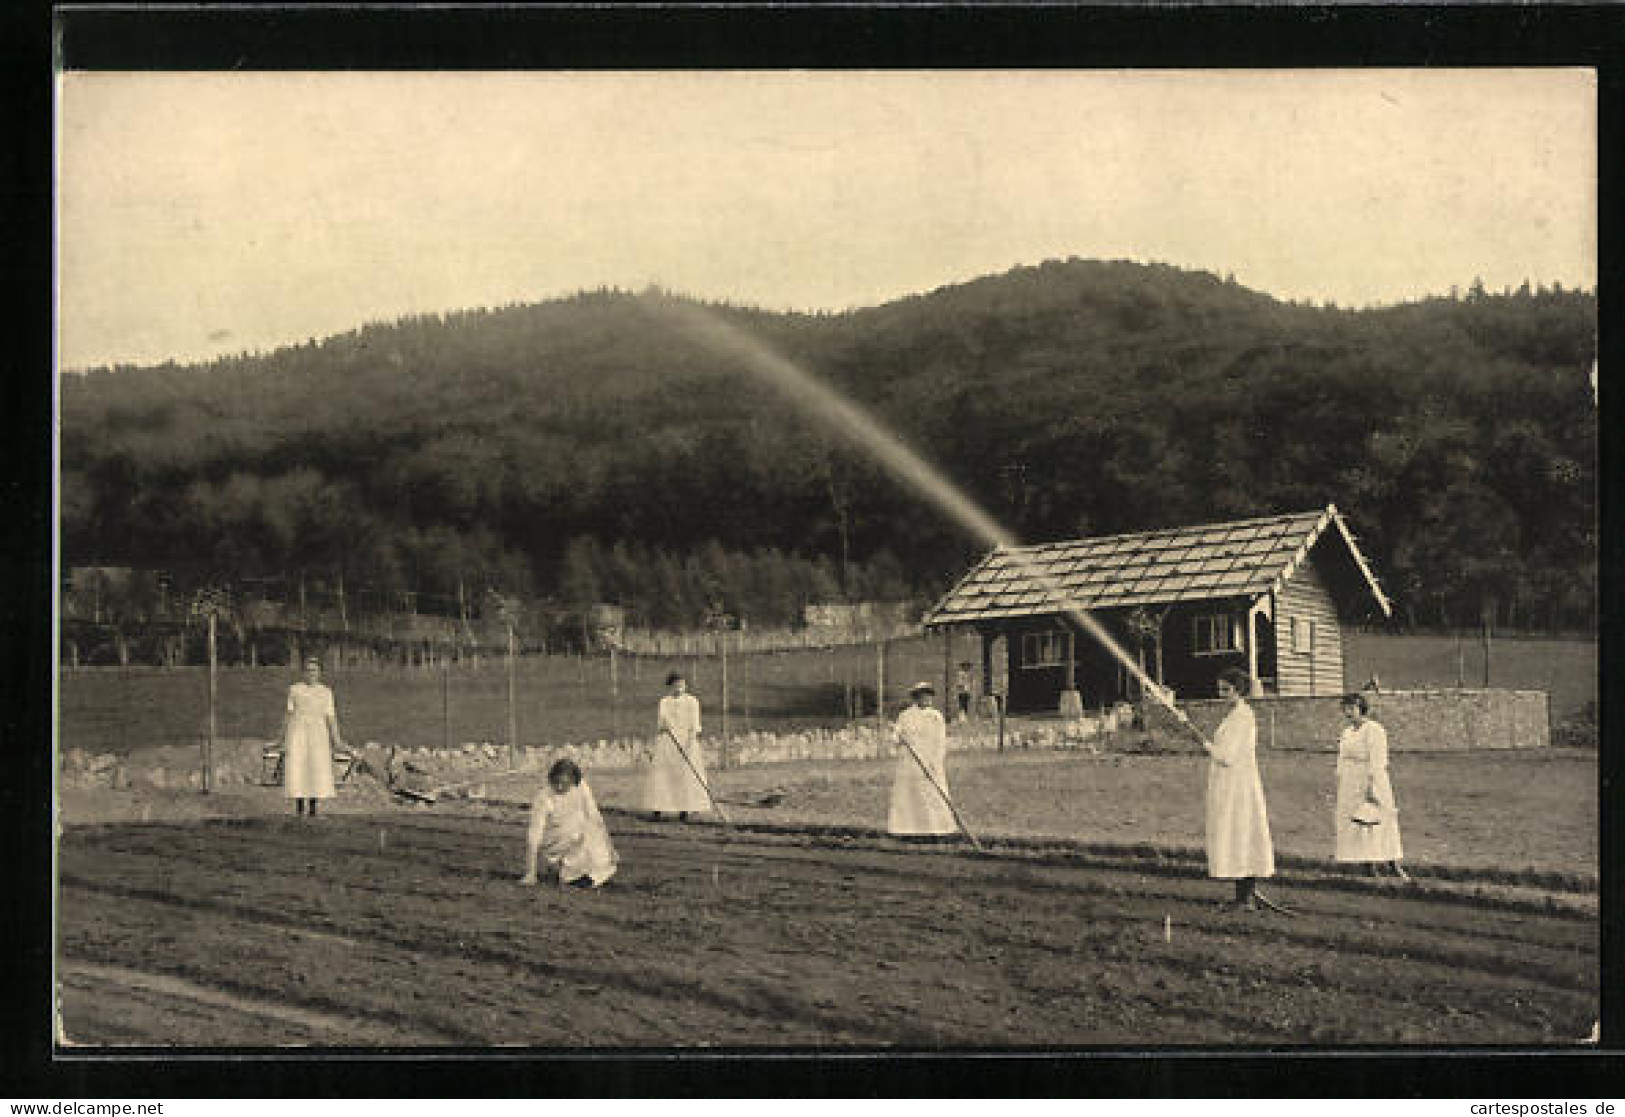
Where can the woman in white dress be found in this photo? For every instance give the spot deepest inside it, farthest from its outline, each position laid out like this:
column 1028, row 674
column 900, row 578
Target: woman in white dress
column 310, row 732
column 676, row 780
column 917, row 807
column 568, row 832
column 1238, row 827
column 1367, row 815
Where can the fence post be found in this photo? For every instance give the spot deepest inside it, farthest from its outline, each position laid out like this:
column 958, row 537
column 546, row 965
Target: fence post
column 614, row 696
column 208, row 742
column 210, row 603
column 445, row 701
column 846, row 688
column 722, row 653
column 513, row 712
column 124, row 710
column 880, row 689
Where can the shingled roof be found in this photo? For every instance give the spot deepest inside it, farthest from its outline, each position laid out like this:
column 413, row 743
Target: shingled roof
column 1236, row 559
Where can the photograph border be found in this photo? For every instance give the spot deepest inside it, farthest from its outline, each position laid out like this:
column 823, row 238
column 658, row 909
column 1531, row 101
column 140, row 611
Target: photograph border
column 765, row 37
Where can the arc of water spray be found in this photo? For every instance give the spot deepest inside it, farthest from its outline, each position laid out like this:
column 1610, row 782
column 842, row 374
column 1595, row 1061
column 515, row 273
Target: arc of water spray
column 858, row 427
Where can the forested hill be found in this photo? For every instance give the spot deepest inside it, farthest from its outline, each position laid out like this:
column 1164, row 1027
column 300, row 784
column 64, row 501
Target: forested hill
column 585, row 448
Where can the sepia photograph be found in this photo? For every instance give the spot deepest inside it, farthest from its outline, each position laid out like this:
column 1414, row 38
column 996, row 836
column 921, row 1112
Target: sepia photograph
column 833, row 560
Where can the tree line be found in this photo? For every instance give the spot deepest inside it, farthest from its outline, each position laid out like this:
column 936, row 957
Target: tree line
column 581, row 448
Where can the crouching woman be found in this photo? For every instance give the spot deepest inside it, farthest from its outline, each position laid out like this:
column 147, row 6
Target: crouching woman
column 567, row 832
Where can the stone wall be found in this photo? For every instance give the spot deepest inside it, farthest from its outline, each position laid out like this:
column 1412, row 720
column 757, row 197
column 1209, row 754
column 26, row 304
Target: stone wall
column 240, row 762
column 1416, row 720
column 854, row 742
column 236, row 762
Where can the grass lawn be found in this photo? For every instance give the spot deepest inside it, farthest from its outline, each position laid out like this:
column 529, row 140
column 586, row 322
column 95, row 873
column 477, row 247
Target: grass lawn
column 1512, row 812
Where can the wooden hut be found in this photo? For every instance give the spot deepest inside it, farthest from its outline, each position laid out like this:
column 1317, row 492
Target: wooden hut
column 1269, row 595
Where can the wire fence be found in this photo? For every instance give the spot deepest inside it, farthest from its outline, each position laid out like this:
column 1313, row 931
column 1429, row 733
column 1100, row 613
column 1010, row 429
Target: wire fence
column 556, row 699
column 440, row 700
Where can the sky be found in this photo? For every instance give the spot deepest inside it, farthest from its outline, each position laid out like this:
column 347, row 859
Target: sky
column 202, row 214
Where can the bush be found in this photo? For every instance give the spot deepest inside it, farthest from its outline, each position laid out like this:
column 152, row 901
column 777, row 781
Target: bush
column 1578, row 731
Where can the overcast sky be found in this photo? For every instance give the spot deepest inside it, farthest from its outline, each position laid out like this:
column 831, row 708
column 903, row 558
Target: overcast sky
column 202, row 214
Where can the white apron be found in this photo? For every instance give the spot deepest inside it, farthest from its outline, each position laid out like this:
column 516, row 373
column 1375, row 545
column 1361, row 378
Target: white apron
column 307, row 751
column 1238, row 829
column 1362, row 763
column 671, row 784
column 916, row 806
column 571, row 834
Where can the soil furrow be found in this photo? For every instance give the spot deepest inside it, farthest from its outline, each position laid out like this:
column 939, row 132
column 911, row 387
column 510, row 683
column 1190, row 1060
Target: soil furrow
column 334, row 1026
column 655, row 986
column 415, row 925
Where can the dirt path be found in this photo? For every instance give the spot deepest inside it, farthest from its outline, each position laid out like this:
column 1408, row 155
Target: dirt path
column 409, row 929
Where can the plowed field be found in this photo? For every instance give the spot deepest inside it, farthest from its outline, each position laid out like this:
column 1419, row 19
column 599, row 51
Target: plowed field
column 408, row 929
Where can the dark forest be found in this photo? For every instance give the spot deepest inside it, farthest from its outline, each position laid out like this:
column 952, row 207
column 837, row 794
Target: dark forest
column 579, row 450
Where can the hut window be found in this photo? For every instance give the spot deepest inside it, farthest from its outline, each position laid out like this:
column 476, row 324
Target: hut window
column 1303, row 634
column 1043, row 649
column 1216, row 634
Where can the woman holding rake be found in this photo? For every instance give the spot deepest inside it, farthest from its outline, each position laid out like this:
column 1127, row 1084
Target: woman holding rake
column 676, row 781
column 919, row 796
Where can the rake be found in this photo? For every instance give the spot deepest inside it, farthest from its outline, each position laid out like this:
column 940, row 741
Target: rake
column 682, row 752
column 958, row 821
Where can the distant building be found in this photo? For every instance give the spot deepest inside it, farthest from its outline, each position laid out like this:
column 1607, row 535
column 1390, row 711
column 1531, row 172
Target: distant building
column 602, row 625
column 603, row 617
column 1269, row 595
column 847, row 616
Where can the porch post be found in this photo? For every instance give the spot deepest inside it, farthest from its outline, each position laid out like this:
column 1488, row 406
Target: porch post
column 1256, row 688
column 1071, row 701
column 987, row 639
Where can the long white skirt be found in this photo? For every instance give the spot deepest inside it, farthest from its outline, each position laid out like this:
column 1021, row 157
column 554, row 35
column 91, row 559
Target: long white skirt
column 1238, row 827
column 916, row 806
column 307, row 759
column 1357, row 842
column 576, row 843
column 670, row 785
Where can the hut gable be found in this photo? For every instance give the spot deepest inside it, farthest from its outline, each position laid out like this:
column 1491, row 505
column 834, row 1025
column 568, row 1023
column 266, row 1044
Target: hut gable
column 1308, row 648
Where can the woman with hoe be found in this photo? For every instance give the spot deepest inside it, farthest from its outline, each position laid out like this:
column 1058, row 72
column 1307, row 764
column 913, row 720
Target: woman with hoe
column 676, row 781
column 919, row 797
